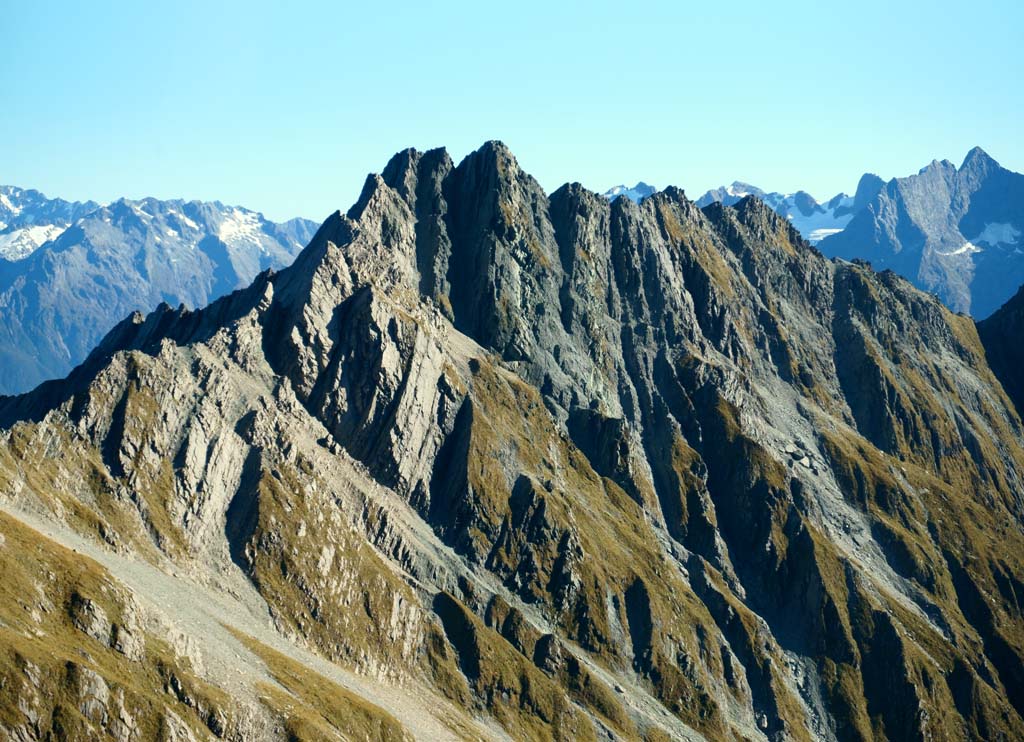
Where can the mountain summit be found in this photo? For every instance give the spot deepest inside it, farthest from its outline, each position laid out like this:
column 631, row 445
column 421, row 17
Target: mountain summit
column 954, row 231
column 485, row 462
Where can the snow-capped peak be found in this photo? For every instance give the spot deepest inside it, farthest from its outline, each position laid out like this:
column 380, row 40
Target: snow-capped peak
column 637, row 193
column 20, row 243
column 240, row 226
column 739, row 189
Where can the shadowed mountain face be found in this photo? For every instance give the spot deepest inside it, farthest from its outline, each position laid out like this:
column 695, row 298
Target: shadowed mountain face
column 94, row 265
column 953, row 231
column 1001, row 334
column 562, row 468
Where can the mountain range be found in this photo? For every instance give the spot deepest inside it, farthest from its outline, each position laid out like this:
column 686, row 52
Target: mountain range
column 815, row 221
column 70, row 271
column 490, row 463
column 28, row 219
column 952, row 231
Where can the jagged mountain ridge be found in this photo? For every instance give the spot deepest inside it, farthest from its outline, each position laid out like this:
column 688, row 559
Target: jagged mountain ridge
column 954, row 231
column 100, row 263
column 28, row 219
column 636, row 470
column 815, row 221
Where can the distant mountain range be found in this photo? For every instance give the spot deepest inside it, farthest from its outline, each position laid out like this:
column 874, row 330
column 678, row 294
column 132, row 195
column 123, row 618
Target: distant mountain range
column 635, row 194
column 815, row 221
column 70, row 271
column 953, row 231
column 28, row 219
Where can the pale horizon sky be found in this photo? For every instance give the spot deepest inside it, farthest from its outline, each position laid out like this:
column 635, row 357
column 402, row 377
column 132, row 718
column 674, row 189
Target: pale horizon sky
column 285, row 110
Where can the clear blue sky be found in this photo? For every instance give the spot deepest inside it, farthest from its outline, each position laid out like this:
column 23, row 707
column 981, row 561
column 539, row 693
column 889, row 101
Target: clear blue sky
column 284, row 107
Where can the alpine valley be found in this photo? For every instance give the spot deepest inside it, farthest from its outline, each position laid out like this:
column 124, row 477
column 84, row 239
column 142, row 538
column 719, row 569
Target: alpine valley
column 489, row 463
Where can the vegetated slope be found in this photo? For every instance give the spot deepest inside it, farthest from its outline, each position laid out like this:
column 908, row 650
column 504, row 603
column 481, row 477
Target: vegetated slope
column 584, row 469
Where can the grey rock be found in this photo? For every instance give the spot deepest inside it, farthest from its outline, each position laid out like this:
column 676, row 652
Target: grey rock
column 92, row 691
column 90, row 618
column 957, row 232
column 173, row 729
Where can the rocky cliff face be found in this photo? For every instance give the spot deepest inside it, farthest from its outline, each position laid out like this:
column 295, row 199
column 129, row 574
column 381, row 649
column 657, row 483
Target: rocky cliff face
column 953, row 231
column 540, row 467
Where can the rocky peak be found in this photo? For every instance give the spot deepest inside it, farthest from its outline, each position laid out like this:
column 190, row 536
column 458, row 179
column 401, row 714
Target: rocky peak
column 867, row 188
column 596, row 470
column 938, row 228
column 805, row 202
column 978, row 160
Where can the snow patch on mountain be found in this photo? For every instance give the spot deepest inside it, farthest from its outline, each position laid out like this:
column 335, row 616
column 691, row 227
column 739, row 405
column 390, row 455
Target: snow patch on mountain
column 636, row 194
column 20, row 243
column 968, row 248
column 8, row 205
column 998, row 233
column 240, row 226
column 183, row 219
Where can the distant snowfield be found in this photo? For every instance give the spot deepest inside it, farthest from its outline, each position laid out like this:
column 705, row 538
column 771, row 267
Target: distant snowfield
column 817, row 235
column 21, row 243
column 998, row 233
column 818, row 225
column 240, row 226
